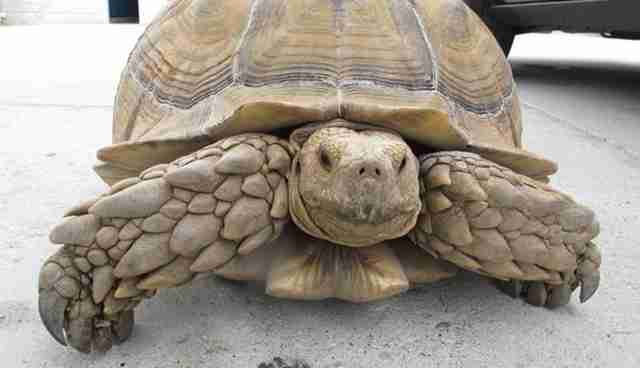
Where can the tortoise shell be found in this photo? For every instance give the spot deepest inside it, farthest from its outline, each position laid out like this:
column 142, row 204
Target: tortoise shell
column 208, row 69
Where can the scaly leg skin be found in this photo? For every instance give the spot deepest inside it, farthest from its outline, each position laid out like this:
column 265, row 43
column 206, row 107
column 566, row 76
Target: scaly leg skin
column 485, row 218
column 68, row 309
column 201, row 213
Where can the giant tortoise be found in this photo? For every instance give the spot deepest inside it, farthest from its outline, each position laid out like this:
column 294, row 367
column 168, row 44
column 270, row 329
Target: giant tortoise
column 388, row 131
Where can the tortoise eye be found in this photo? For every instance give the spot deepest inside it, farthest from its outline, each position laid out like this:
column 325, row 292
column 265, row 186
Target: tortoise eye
column 325, row 160
column 403, row 163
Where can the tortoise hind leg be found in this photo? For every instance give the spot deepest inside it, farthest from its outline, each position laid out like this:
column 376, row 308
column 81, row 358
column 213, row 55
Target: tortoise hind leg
column 200, row 213
column 488, row 219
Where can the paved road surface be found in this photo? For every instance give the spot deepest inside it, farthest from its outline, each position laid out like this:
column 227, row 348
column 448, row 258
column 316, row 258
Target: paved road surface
column 581, row 99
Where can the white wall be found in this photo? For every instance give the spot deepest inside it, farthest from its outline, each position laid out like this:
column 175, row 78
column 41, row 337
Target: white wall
column 55, row 11
column 149, row 8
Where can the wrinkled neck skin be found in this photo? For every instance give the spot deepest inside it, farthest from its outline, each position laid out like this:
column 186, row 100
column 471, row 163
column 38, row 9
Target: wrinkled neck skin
column 353, row 184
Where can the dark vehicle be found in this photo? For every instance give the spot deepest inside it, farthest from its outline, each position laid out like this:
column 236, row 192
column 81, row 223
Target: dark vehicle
column 507, row 18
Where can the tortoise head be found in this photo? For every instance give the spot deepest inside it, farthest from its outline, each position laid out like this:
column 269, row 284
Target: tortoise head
column 353, row 184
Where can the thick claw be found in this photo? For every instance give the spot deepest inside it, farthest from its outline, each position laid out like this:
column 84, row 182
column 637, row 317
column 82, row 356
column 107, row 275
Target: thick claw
column 536, row 294
column 123, row 327
column 589, row 285
column 559, row 296
column 79, row 334
column 103, row 339
column 52, row 307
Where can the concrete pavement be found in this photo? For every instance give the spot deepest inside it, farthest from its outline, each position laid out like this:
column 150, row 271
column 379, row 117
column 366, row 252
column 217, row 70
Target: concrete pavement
column 581, row 100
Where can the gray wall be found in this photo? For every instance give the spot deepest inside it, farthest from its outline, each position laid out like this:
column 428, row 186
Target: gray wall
column 55, row 11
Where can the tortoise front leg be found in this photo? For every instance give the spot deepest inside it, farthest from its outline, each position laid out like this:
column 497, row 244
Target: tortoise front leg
column 487, row 219
column 201, row 213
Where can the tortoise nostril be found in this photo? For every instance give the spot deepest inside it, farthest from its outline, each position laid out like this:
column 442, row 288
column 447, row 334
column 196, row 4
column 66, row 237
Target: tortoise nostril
column 369, row 169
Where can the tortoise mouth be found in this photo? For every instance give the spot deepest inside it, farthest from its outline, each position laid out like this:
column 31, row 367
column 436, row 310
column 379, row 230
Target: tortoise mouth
column 360, row 233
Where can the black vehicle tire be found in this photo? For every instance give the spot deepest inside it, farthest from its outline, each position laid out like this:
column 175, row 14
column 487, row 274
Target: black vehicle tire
column 503, row 33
